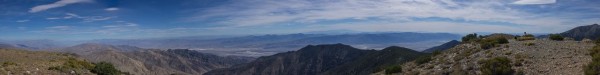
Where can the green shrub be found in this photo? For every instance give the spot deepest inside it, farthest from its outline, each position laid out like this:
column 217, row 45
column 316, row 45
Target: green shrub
column 393, row 69
column 525, row 38
column 597, row 41
column 72, row 64
column 434, row 53
column 520, row 72
column 556, row 37
column 593, row 68
column 423, row 59
column 497, row 66
column 469, row 37
column 528, row 35
column 492, row 42
column 5, row 64
column 104, row 68
column 78, row 64
column 529, row 44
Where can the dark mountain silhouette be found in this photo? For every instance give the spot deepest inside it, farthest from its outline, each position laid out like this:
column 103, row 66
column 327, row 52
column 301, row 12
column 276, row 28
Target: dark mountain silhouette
column 375, row 61
column 581, row 32
column 442, row 47
column 321, row 59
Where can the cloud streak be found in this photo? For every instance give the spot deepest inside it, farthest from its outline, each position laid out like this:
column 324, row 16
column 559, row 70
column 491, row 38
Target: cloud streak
column 247, row 13
column 535, row 2
column 57, row 4
column 304, row 11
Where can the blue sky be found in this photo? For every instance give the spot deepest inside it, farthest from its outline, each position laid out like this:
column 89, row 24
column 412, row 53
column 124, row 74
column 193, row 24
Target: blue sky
column 130, row 19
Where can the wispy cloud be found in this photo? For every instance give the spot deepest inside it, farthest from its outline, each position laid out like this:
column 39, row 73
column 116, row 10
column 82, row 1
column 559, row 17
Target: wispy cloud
column 112, row 9
column 84, row 18
column 59, row 27
column 251, row 13
column 57, row 4
column 535, row 2
column 124, row 24
column 280, row 12
column 22, row 21
column 52, row 18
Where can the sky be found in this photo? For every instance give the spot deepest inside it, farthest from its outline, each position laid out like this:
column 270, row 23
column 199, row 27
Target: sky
column 133, row 19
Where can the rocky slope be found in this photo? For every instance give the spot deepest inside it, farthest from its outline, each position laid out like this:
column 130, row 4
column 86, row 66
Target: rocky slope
column 154, row 62
column 581, row 32
column 22, row 62
column 331, row 59
column 541, row 56
column 442, row 47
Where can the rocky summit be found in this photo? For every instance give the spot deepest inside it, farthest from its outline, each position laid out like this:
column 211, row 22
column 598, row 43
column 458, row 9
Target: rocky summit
column 541, row 56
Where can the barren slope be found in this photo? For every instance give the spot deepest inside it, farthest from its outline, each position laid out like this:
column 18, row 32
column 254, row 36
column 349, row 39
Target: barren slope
column 544, row 57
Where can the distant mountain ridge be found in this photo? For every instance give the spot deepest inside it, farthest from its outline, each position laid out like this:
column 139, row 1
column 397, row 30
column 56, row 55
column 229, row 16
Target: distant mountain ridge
column 442, row 47
column 152, row 61
column 581, row 32
column 270, row 44
column 328, row 59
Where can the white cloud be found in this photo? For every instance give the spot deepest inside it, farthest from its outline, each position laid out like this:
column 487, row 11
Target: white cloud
column 59, row 27
column 57, row 4
column 131, row 24
column 71, row 15
column 112, row 9
column 535, row 2
column 110, row 26
column 121, row 25
column 253, row 13
column 84, row 18
column 96, row 18
column 22, row 21
column 52, row 18
column 304, row 11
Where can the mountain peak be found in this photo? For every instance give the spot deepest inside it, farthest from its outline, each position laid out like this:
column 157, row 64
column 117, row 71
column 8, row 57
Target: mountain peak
column 581, row 32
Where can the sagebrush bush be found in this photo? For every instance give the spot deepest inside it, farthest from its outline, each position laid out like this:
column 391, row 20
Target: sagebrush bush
column 104, row 68
column 556, row 37
column 492, row 42
column 496, row 66
column 423, row 59
column 393, row 69
column 72, row 64
column 5, row 64
column 593, row 68
column 526, row 37
column 470, row 37
column 529, row 44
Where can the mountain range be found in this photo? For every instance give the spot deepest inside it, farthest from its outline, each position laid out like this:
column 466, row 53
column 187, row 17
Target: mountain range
column 270, row 44
column 329, row 59
column 153, row 61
